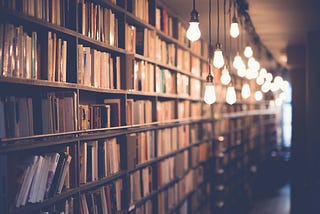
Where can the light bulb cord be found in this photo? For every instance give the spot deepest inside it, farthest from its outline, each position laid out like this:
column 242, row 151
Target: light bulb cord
column 218, row 21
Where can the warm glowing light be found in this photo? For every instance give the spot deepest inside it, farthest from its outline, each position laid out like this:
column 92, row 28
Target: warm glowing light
column 248, row 52
column 263, row 72
column 242, row 72
column 251, row 62
column 210, row 94
column 285, row 85
column 260, row 80
column 266, row 87
column 258, row 95
column 251, row 73
column 237, row 61
column 269, row 77
column 218, row 60
column 278, row 101
column 245, row 91
column 234, row 28
column 231, row 96
column 193, row 32
column 225, row 77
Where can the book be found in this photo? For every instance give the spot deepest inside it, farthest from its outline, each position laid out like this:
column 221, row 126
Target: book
column 115, row 113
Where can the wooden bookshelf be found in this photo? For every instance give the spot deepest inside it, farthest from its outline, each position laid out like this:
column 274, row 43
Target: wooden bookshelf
column 148, row 104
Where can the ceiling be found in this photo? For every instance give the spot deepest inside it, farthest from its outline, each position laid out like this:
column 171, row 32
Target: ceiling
column 279, row 24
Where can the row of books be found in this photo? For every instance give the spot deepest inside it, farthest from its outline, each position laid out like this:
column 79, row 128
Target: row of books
column 168, row 198
column 139, row 8
column 165, row 110
column 138, row 112
column 99, row 159
column 25, row 56
column 195, row 88
column 57, row 59
column 195, row 110
column 104, row 200
column 16, row 117
column 183, row 84
column 195, row 66
column 165, row 81
column 184, row 109
column 55, row 12
column 140, row 185
column 96, row 116
column 140, row 148
column 140, row 40
column 143, row 76
column 145, row 208
column 97, row 22
column 167, row 141
column 58, row 112
column 183, row 60
column 165, row 22
column 98, row 68
column 165, row 52
column 42, row 177
column 182, row 35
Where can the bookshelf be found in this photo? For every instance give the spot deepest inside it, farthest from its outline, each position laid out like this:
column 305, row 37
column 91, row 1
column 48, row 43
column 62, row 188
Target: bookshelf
column 97, row 95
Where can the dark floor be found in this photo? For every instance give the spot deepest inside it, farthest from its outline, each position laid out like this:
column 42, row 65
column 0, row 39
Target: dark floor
column 278, row 203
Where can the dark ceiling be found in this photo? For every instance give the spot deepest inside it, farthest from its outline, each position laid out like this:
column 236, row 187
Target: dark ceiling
column 278, row 24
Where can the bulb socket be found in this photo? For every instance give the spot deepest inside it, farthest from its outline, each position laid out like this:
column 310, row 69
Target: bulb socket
column 209, row 78
column 194, row 16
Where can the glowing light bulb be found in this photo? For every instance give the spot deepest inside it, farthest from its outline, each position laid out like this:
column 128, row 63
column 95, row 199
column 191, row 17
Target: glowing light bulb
column 260, row 80
column 241, row 72
column 248, row 52
column 285, row 85
column 269, row 77
column 266, row 87
column 245, row 91
column 225, row 77
column 263, row 72
column 258, row 95
column 237, row 61
column 234, row 28
column 218, row 60
column 251, row 62
column 193, row 32
column 209, row 94
column 231, row 96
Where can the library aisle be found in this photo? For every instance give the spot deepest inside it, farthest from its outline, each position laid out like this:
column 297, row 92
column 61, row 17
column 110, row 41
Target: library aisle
column 277, row 203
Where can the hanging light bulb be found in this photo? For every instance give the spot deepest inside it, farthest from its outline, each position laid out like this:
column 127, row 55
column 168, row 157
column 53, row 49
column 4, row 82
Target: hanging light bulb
column 258, row 95
column 260, row 80
column 242, row 71
column 266, row 87
column 193, row 32
column 225, row 77
column 234, row 28
column 245, row 91
column 237, row 61
column 269, row 77
column 209, row 93
column 218, row 59
column 231, row 96
column 248, row 51
column 263, row 72
column 251, row 62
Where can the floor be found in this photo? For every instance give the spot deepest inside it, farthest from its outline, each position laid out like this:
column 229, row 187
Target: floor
column 279, row 203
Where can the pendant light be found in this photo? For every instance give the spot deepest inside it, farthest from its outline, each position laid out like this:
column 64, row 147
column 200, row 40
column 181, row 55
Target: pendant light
column 234, row 27
column 225, row 76
column 245, row 91
column 193, row 32
column 218, row 60
column 231, row 96
column 210, row 93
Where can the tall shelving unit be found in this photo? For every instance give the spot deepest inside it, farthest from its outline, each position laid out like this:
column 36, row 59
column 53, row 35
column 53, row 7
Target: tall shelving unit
column 135, row 134
column 143, row 151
